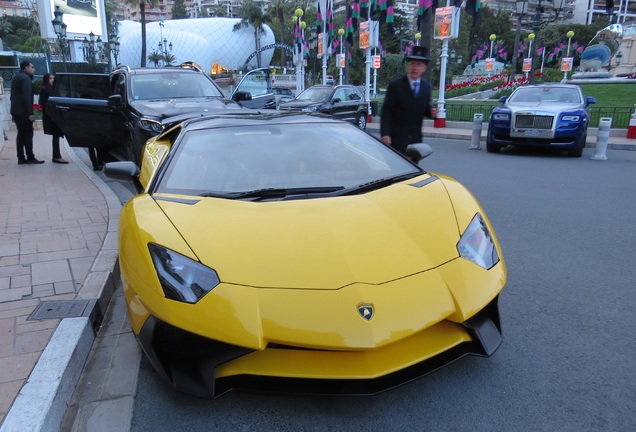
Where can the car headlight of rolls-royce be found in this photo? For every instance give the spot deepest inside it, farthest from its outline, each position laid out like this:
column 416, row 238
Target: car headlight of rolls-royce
column 476, row 244
column 151, row 125
column 501, row 116
column 182, row 279
column 573, row 118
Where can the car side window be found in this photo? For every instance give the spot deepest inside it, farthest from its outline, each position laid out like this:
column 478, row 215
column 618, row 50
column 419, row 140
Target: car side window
column 353, row 95
column 340, row 94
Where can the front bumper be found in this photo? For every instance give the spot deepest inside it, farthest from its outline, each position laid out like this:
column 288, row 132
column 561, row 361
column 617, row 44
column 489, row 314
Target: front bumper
column 565, row 137
column 208, row 368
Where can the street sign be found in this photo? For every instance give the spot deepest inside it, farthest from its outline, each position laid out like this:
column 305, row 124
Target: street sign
column 377, row 60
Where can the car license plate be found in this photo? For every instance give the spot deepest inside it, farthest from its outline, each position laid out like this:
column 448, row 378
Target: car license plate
column 532, row 133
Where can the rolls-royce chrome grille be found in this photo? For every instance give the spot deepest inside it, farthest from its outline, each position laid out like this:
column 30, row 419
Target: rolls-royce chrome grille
column 534, row 122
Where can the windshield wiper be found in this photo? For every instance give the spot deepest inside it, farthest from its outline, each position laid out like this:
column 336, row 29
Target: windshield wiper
column 304, row 192
column 293, row 193
column 378, row 184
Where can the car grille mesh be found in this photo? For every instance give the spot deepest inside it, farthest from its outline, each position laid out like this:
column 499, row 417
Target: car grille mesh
column 534, row 122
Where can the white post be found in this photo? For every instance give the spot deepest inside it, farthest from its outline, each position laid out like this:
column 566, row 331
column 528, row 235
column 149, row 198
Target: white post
column 341, row 54
column 478, row 120
column 440, row 122
column 604, row 126
column 375, row 76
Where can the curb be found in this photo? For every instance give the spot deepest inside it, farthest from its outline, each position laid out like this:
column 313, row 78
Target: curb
column 44, row 398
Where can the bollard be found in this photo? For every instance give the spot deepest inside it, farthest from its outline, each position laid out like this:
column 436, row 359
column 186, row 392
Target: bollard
column 631, row 130
column 370, row 115
column 604, row 126
column 476, row 138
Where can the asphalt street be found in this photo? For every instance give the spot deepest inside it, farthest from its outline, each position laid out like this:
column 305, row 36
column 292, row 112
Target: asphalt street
column 568, row 359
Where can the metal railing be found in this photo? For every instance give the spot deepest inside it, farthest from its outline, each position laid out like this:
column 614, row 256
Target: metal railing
column 463, row 112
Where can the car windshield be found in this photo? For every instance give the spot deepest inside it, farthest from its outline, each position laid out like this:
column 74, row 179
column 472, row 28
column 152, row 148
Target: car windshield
column 545, row 94
column 316, row 94
column 238, row 160
column 172, row 85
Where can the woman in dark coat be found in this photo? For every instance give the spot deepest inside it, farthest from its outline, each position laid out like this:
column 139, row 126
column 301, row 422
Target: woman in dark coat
column 50, row 128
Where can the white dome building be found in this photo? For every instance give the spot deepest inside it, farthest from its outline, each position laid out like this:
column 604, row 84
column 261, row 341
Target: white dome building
column 203, row 40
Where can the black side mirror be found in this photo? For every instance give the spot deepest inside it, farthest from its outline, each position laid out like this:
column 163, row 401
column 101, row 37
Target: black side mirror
column 115, row 101
column 417, row 152
column 241, row 96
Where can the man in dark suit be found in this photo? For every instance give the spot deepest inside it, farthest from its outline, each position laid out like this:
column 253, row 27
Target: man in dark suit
column 22, row 112
column 407, row 101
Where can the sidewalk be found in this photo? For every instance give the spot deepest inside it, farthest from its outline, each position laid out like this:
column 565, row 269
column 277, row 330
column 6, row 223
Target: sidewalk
column 58, row 255
column 58, row 273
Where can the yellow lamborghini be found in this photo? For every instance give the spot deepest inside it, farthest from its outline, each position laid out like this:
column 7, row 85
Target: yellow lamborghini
column 294, row 252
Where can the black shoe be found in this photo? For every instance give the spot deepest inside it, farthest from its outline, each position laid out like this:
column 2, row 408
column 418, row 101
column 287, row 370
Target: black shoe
column 97, row 168
column 60, row 160
column 34, row 161
column 22, row 162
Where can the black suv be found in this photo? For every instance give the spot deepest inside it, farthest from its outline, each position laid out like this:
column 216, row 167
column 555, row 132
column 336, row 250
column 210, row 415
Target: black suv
column 121, row 111
column 345, row 102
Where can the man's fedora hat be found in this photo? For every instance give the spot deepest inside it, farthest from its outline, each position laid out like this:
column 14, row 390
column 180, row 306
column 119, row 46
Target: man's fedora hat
column 418, row 53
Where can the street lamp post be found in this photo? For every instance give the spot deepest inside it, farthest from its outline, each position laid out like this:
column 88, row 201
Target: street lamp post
column 59, row 27
column 113, row 48
column 570, row 35
column 92, row 47
column 531, row 37
column 164, row 47
column 492, row 38
column 619, row 58
column 522, row 9
column 298, row 51
column 543, row 17
column 341, row 33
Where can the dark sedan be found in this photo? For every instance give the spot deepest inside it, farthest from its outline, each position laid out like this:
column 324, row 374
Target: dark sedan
column 344, row 102
column 545, row 115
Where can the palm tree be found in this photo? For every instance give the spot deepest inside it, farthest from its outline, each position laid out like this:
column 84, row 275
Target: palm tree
column 278, row 9
column 168, row 59
column 155, row 57
column 142, row 12
column 252, row 14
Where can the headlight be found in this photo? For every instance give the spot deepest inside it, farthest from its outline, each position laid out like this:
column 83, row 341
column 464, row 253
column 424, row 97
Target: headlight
column 573, row 118
column 476, row 244
column 501, row 116
column 181, row 278
column 151, row 126
column 313, row 108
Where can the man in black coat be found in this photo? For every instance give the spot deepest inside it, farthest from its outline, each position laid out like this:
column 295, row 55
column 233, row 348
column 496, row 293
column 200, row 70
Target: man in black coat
column 22, row 112
column 407, row 101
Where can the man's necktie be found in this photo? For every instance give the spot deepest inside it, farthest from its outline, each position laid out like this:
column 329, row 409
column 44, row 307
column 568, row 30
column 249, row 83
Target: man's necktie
column 416, row 88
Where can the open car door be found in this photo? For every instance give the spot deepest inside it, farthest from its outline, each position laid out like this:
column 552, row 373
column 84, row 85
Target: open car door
column 79, row 106
column 254, row 90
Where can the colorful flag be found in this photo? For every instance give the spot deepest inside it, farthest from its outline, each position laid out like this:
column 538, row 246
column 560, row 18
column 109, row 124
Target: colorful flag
column 472, row 8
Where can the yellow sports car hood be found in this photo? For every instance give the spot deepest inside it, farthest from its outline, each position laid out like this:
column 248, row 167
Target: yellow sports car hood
column 323, row 243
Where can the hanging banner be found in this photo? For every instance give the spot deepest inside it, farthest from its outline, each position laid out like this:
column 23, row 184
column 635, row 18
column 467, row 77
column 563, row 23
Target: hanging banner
column 566, row 64
column 320, row 45
column 446, row 22
column 365, row 35
column 527, row 65
column 377, row 61
column 490, row 64
column 341, row 60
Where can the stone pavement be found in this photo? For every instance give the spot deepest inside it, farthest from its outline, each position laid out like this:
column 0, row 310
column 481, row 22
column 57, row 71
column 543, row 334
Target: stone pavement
column 58, row 268
column 58, row 275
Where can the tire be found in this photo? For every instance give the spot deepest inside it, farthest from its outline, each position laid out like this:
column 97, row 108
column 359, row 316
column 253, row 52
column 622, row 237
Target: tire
column 578, row 151
column 490, row 146
column 361, row 121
